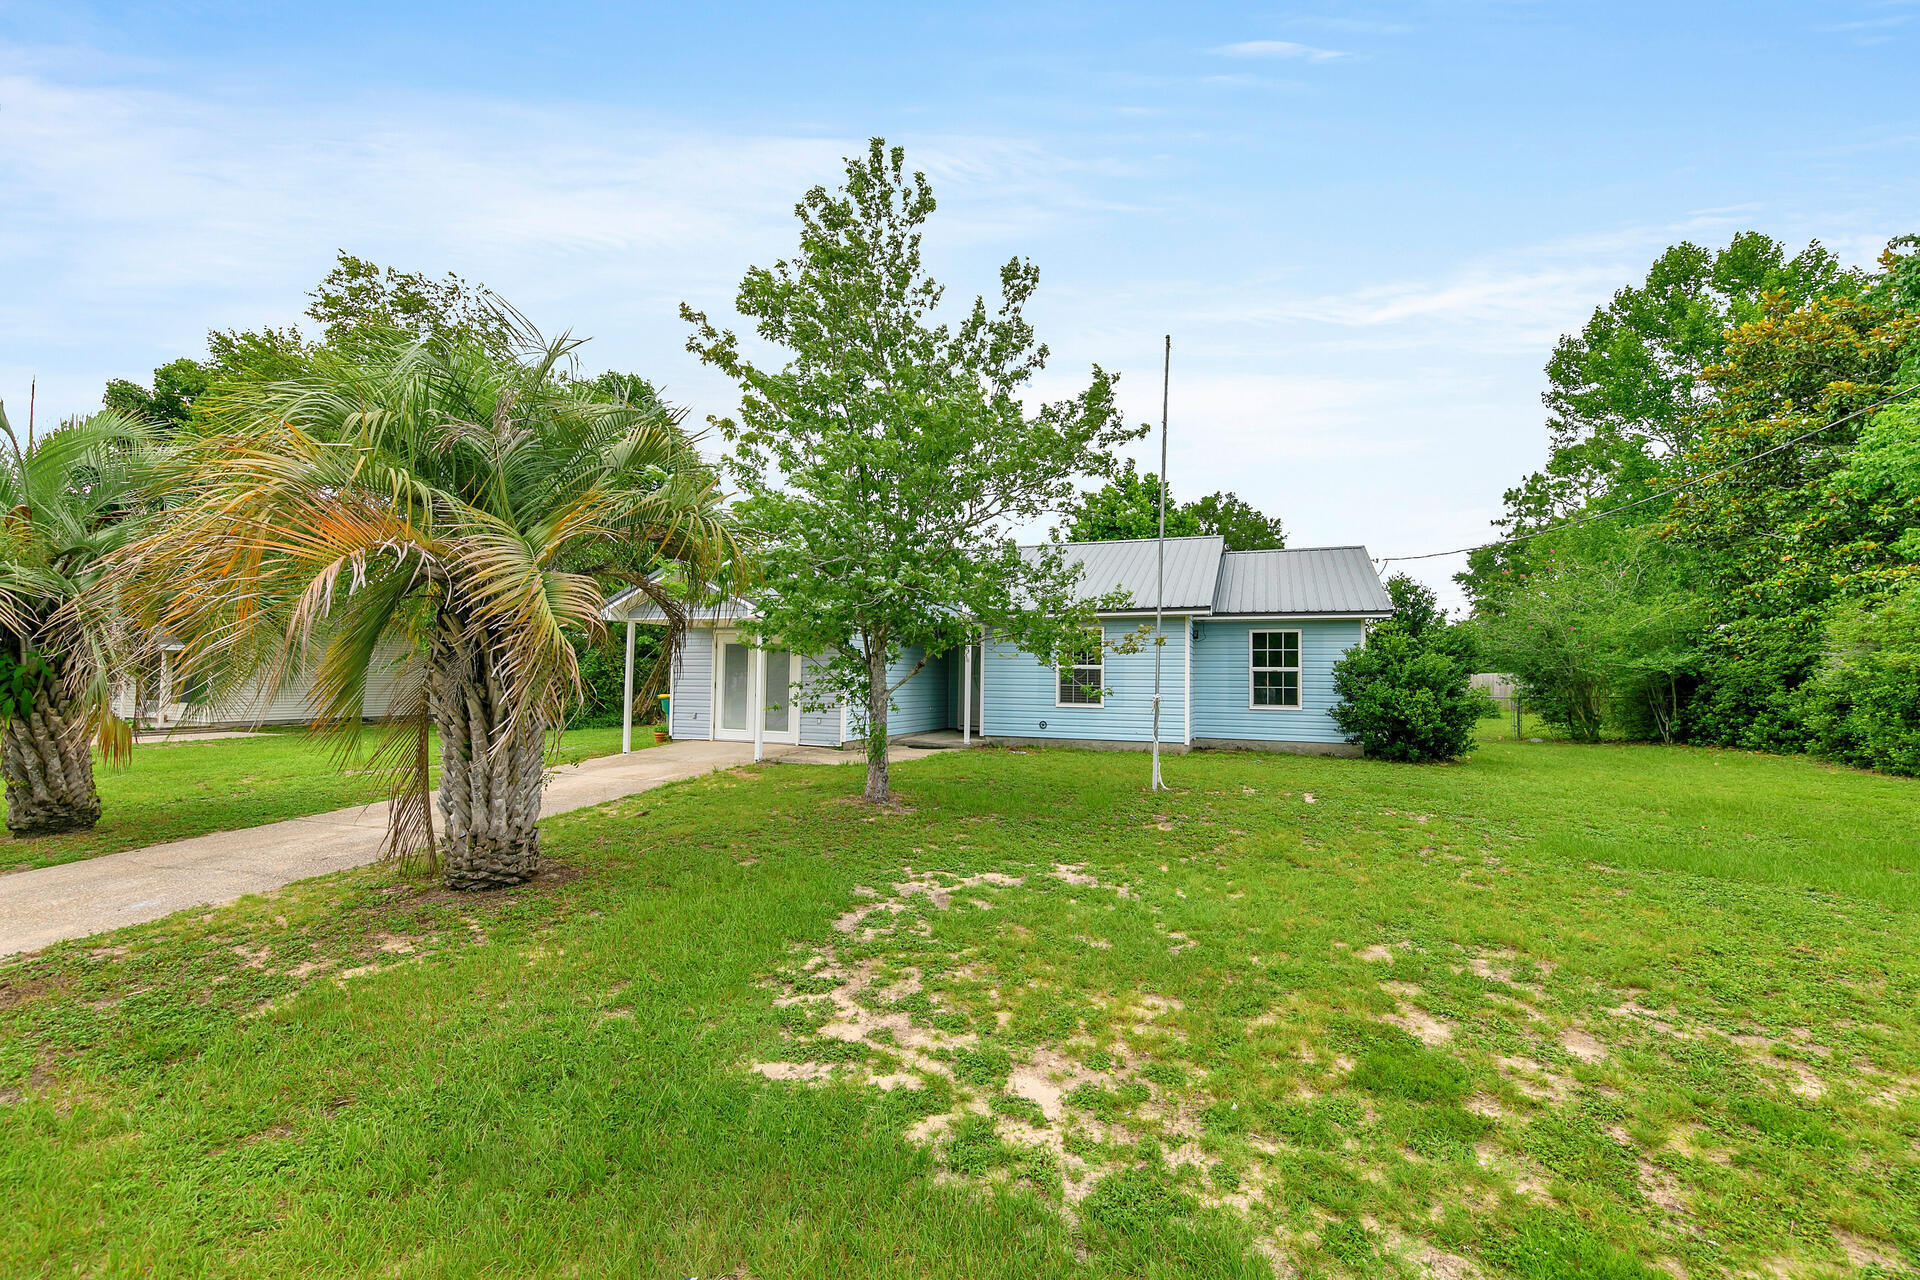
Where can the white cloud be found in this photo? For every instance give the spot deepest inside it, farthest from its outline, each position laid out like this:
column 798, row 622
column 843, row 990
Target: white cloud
column 133, row 220
column 1279, row 49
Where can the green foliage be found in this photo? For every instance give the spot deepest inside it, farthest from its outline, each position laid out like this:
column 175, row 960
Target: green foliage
column 363, row 306
column 1551, row 1244
column 975, row 1148
column 1863, row 705
column 1604, row 631
column 602, row 664
column 1127, row 506
column 889, row 461
column 1236, row 520
column 1577, row 1148
column 1747, row 369
column 23, row 680
column 176, row 385
column 393, row 502
column 1407, row 693
column 1625, row 390
column 73, row 497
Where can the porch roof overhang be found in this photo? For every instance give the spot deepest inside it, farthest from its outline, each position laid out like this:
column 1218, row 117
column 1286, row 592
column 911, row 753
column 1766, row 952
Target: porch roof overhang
column 634, row 605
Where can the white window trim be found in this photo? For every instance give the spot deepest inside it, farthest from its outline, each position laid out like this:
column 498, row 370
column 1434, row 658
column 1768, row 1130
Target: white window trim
column 1299, row 672
column 1100, row 637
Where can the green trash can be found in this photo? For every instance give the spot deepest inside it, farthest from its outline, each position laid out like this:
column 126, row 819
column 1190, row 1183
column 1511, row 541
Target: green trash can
column 666, row 712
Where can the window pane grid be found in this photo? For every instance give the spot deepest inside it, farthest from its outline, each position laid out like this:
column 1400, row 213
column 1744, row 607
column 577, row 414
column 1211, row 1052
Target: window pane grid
column 1275, row 669
column 1083, row 677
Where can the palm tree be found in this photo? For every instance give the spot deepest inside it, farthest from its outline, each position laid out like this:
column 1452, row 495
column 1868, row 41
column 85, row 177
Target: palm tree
column 70, row 498
column 444, row 514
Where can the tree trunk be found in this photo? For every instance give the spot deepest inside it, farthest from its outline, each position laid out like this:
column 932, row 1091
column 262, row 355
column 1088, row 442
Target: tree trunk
column 49, row 770
column 878, row 784
column 491, row 776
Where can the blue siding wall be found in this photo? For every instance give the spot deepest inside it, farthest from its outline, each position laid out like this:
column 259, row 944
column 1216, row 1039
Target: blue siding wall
column 692, row 688
column 817, row 728
column 691, row 684
column 919, row 705
column 1020, row 692
column 1222, row 661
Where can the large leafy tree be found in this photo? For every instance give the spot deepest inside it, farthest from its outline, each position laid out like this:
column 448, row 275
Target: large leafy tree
column 362, row 304
column 1627, row 390
column 1128, row 506
column 1797, row 517
column 71, row 497
column 359, row 306
column 887, row 459
column 450, row 513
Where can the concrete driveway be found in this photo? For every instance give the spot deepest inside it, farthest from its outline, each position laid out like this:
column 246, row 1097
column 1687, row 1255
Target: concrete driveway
column 51, row 904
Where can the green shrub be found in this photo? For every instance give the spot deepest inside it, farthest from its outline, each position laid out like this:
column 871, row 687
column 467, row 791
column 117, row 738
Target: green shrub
column 1863, row 707
column 1403, row 699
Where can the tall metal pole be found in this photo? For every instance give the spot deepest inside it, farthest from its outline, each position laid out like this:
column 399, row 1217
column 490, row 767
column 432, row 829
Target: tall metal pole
column 1160, row 572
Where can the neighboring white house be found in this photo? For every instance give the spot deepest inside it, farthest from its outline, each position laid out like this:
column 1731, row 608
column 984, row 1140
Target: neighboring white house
column 169, row 700
column 1251, row 641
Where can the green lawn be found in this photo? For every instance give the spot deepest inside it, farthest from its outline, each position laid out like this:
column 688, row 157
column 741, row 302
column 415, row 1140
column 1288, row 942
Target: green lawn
column 1559, row 1011
column 172, row 790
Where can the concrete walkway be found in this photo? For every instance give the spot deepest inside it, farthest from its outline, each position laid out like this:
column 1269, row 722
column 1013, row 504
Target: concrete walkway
column 51, row 904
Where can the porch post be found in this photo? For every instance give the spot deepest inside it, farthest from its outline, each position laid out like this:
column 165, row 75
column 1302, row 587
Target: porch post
column 626, row 700
column 966, row 694
column 759, row 704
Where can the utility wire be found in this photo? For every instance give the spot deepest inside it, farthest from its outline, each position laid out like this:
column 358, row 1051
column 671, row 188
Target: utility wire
column 1664, row 493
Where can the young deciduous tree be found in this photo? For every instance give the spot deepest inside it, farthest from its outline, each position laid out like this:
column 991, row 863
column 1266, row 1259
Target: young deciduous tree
column 887, row 459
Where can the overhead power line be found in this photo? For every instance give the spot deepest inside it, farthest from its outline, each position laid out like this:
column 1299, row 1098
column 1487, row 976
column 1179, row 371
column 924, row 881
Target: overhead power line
column 1664, row 493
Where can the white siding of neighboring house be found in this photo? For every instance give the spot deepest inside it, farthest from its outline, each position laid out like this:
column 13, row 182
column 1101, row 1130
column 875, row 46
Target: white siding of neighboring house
column 251, row 705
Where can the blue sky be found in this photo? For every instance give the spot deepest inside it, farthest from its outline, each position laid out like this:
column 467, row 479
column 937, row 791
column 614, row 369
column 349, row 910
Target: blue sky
column 1364, row 226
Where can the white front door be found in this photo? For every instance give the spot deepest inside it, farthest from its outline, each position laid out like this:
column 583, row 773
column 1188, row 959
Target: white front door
column 734, row 693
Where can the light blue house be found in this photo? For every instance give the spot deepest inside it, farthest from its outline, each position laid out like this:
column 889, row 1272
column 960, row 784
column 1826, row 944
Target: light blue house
column 1251, row 640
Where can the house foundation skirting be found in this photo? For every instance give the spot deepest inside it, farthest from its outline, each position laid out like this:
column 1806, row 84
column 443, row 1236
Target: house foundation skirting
column 1091, row 744
column 1291, row 748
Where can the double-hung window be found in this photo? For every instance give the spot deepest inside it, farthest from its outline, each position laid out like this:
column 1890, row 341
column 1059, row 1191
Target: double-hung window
column 1275, row 679
column 1083, row 674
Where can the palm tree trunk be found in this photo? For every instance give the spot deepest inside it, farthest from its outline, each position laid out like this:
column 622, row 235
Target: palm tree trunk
column 879, row 785
column 49, row 770
column 491, row 773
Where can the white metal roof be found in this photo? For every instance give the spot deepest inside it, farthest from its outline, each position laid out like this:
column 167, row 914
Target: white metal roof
column 1193, row 566
column 1202, row 577
column 634, row 605
column 1332, row 580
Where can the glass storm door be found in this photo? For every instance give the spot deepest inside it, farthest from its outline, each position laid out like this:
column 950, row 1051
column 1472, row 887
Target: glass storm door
column 736, row 688
column 734, row 693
